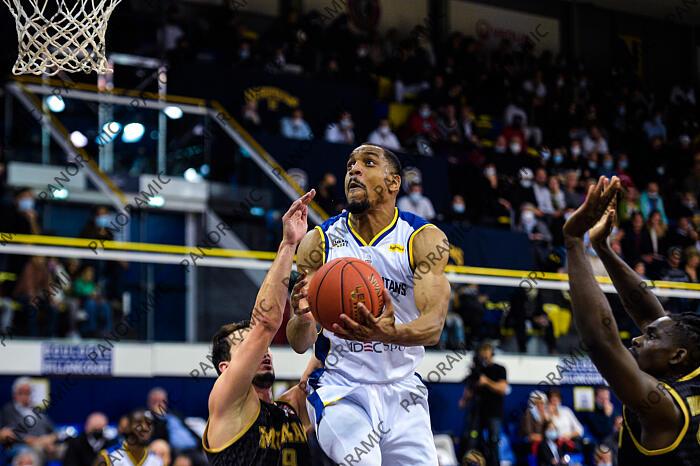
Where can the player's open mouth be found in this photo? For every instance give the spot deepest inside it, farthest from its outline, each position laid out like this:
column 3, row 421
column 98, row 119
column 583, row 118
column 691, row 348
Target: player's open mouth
column 355, row 185
column 634, row 352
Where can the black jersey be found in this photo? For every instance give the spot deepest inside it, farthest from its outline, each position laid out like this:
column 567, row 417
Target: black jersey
column 275, row 438
column 685, row 450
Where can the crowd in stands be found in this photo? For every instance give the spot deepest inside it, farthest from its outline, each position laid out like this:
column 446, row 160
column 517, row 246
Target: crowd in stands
column 28, row 437
column 48, row 296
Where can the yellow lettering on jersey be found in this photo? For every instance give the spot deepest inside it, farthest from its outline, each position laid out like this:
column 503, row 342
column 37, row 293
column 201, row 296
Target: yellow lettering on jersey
column 299, row 434
column 267, row 437
column 396, row 248
column 694, row 403
column 287, row 436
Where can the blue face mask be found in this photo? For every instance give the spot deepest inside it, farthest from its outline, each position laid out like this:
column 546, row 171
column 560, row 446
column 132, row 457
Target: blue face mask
column 624, row 164
column 26, row 204
column 415, row 196
column 592, row 165
column 459, row 208
column 102, row 221
column 558, row 158
column 546, row 155
column 608, row 165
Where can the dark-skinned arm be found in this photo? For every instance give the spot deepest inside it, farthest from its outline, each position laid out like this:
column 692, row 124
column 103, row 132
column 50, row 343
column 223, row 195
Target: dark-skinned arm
column 596, row 325
column 638, row 300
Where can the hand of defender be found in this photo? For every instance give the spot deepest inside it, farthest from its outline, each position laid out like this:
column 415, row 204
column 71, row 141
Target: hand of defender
column 294, row 222
column 587, row 215
column 601, row 230
column 371, row 328
column 300, row 296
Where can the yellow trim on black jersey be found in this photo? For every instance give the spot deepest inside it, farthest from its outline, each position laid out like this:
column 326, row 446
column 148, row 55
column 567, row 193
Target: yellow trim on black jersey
column 690, row 376
column 323, row 242
column 410, row 244
column 235, row 438
column 680, row 437
column 384, row 230
column 693, row 404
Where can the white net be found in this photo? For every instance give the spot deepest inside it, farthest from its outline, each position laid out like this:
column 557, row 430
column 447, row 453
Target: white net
column 59, row 35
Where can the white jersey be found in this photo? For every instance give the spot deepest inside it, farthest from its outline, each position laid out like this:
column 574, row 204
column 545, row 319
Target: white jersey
column 119, row 456
column 390, row 253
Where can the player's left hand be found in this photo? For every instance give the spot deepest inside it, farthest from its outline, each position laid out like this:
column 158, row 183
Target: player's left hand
column 593, row 208
column 382, row 328
column 294, row 222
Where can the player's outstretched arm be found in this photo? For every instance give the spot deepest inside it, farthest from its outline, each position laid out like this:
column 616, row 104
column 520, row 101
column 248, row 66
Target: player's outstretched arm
column 301, row 328
column 596, row 324
column 638, row 300
column 234, row 384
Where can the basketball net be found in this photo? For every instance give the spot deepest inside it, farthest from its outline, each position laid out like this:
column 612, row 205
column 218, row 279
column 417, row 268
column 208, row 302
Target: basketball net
column 55, row 36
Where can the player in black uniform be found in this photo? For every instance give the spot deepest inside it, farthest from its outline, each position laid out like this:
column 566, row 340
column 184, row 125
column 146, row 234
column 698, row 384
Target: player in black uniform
column 658, row 378
column 246, row 427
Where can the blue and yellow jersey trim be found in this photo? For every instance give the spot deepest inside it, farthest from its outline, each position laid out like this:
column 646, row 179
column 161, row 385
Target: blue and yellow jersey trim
column 379, row 236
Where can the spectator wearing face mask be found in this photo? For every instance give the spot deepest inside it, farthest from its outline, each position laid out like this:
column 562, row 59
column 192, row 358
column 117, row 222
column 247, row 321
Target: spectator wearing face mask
column 296, row 127
column 341, row 131
column 327, row 197
column 448, row 125
column 572, row 193
column 83, row 449
column 422, row 124
column 575, row 152
column 515, row 130
column 594, row 141
column 384, row 137
column 98, row 226
column 548, row 452
column 654, row 127
column 543, row 195
column 607, row 167
column 537, row 231
column 651, row 201
column 458, row 210
column 416, row 203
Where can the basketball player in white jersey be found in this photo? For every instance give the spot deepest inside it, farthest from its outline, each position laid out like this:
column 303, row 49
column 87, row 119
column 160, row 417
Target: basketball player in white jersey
column 358, row 395
column 134, row 451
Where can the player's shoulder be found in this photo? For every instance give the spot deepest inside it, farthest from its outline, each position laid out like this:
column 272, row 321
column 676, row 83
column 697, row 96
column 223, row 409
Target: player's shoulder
column 332, row 221
column 418, row 224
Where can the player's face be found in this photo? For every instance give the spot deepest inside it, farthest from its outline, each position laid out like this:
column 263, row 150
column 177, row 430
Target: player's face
column 655, row 347
column 368, row 179
column 265, row 375
column 140, row 429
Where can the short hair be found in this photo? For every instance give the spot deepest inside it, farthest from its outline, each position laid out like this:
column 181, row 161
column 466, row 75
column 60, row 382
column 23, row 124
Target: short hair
column 553, row 392
column 221, row 343
column 19, row 382
column 485, row 345
column 25, row 453
column 391, row 158
column 687, row 333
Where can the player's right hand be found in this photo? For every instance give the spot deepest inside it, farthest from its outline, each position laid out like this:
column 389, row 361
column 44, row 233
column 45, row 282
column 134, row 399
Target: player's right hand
column 300, row 293
column 593, row 208
column 601, row 230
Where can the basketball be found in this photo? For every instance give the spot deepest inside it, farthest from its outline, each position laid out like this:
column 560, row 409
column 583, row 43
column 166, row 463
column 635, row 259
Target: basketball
column 339, row 286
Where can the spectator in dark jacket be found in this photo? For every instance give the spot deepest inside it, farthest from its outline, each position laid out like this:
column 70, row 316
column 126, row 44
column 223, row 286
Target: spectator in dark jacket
column 83, row 449
column 171, row 427
column 600, row 422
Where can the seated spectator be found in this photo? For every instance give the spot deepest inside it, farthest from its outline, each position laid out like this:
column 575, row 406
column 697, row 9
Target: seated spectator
column 536, row 230
column 83, row 449
column 629, row 204
column 595, row 142
column 162, row 451
column 416, row 203
column 326, row 196
column 651, row 201
column 384, row 137
column 99, row 313
column 32, row 292
column 542, row 192
column 341, row 131
column 138, row 433
column 548, row 452
column 26, row 458
column 684, row 235
column 600, row 421
column 449, row 127
column 655, row 127
column 250, row 118
column 535, row 418
column 558, row 197
column 572, row 194
column 569, row 428
column 458, row 211
column 692, row 261
column 422, row 125
column 452, row 336
column 607, row 166
column 636, row 241
column 182, row 460
column 169, row 426
column 28, row 430
column 296, row 127
column 657, row 231
column 515, row 131
column 672, row 271
column 97, row 226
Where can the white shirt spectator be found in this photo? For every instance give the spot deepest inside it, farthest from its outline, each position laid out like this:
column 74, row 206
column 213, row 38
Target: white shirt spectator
column 590, row 145
column 417, row 204
column 384, row 137
column 566, row 421
column 296, row 128
column 511, row 112
column 544, row 198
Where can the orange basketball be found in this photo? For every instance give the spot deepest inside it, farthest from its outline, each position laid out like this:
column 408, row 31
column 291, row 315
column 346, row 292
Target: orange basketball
column 337, row 288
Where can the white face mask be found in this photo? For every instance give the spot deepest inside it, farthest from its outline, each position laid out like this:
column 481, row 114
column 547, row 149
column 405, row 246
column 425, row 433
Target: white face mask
column 526, row 183
column 415, row 196
column 490, row 171
column 425, row 112
column 515, row 148
column 384, row 130
column 528, row 217
column 346, row 123
column 576, row 150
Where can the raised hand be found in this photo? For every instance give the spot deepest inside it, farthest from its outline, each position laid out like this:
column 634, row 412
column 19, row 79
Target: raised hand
column 601, row 230
column 294, row 222
column 597, row 201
